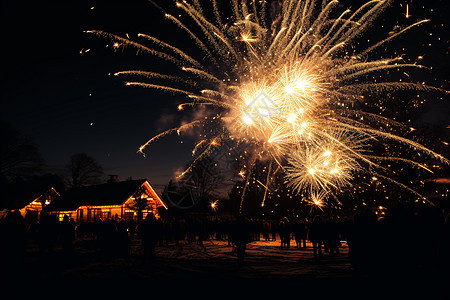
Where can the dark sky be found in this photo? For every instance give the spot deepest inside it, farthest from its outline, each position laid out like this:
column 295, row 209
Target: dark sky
column 67, row 103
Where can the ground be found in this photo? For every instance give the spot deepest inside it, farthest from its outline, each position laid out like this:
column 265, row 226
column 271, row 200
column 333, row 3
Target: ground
column 213, row 259
column 208, row 271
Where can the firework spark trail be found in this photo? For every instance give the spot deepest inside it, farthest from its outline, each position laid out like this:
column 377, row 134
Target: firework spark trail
column 192, row 36
column 292, row 91
column 183, row 55
column 370, row 49
column 167, row 132
column 147, row 74
column 269, row 173
column 404, row 160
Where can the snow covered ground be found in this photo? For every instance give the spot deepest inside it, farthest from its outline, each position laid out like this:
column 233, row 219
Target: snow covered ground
column 210, row 271
column 215, row 259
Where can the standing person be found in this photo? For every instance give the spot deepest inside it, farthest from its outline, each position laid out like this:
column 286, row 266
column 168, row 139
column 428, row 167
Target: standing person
column 267, row 230
column 282, row 231
column 285, row 233
column 334, row 240
column 273, row 228
column 229, row 231
column 362, row 243
column 241, row 237
column 149, row 233
column 302, row 233
column 132, row 228
column 46, row 233
column 299, row 229
column 123, row 238
column 67, row 234
column 316, row 237
column 13, row 243
column 288, row 233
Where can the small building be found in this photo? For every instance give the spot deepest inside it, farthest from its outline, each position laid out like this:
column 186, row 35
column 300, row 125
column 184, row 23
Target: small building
column 125, row 199
column 30, row 200
column 43, row 199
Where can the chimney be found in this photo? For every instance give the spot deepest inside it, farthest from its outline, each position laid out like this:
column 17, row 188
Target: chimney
column 113, row 178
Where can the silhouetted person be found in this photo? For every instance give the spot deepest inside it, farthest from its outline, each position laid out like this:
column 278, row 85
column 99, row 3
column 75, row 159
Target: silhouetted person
column 241, row 237
column 149, row 231
column 46, row 233
column 67, row 234
column 107, row 237
column 331, row 237
column 274, row 230
column 300, row 233
column 229, row 231
column 12, row 241
column 122, row 238
column 285, row 233
column 362, row 246
column 267, row 229
column 190, row 230
column 132, row 228
column 202, row 232
column 316, row 237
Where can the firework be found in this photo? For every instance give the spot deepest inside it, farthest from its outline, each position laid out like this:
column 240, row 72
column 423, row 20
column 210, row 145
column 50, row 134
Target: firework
column 214, row 205
column 317, row 200
column 290, row 88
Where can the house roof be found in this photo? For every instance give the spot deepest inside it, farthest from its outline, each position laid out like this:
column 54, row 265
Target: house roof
column 20, row 192
column 19, row 197
column 114, row 193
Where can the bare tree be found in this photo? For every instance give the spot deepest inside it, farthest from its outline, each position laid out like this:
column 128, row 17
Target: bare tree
column 199, row 185
column 19, row 157
column 84, row 170
column 206, row 175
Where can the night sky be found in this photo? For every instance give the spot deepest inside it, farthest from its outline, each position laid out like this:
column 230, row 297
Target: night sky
column 65, row 98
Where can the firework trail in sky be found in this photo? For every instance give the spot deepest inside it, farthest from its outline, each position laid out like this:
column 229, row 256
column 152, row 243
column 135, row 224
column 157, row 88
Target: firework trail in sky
column 290, row 86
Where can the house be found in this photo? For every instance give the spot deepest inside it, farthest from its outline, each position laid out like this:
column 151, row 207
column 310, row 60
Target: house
column 85, row 204
column 43, row 199
column 29, row 200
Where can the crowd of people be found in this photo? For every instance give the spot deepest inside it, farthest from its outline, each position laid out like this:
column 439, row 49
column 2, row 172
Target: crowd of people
column 404, row 242
column 403, row 238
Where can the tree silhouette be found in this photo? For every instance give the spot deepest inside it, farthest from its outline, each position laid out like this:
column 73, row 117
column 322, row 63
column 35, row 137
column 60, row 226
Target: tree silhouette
column 84, row 170
column 206, row 175
column 198, row 185
column 19, row 157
